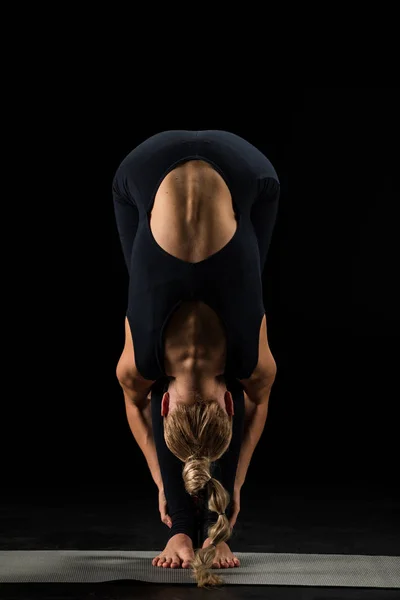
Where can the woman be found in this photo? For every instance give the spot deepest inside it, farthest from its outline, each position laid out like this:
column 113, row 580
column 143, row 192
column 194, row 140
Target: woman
column 195, row 211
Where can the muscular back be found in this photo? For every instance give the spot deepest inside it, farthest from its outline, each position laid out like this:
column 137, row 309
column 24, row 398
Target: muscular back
column 192, row 215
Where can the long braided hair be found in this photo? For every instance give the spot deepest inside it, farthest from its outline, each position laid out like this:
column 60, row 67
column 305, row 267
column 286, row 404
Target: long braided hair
column 199, row 434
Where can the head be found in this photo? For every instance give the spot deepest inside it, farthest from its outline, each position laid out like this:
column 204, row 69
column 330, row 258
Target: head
column 198, row 430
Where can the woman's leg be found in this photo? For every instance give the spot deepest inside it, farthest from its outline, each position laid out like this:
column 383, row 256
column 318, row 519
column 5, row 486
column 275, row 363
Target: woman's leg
column 126, row 216
column 180, row 504
column 224, row 469
column 263, row 216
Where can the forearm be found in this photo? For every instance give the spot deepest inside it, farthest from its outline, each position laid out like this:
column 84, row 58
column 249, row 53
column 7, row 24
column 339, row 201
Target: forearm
column 255, row 419
column 140, row 423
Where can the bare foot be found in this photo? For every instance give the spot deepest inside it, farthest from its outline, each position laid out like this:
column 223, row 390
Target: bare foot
column 177, row 553
column 224, row 559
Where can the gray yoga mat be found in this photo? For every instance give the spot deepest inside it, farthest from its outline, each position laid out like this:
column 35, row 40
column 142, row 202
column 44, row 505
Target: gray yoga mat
column 77, row 566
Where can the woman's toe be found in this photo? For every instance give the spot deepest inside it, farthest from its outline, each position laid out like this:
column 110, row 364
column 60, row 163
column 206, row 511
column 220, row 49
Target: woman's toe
column 167, row 563
column 176, row 563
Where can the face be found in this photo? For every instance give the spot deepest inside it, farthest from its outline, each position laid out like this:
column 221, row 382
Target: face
column 175, row 396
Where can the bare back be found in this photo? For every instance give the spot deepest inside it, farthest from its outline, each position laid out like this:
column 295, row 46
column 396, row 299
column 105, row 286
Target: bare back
column 193, row 218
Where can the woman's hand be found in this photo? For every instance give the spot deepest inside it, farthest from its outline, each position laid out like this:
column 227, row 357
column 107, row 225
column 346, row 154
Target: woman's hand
column 235, row 507
column 162, row 507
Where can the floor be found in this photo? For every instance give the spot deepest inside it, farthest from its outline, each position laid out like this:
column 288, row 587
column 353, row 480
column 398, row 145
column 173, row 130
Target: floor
column 356, row 518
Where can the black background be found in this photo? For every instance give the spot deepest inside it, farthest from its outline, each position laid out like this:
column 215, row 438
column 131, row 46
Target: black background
column 330, row 287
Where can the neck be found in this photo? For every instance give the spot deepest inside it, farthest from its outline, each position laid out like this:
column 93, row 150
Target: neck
column 189, row 383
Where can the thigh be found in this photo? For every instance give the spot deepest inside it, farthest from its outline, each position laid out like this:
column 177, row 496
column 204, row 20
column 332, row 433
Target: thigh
column 263, row 216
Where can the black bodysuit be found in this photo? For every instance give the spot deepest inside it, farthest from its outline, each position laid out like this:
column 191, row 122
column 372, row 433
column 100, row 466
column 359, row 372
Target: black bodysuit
column 229, row 281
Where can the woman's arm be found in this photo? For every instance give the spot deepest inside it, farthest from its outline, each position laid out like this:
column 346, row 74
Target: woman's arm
column 138, row 412
column 256, row 400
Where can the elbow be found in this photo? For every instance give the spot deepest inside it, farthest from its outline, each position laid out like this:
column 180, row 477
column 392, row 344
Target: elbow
column 260, row 390
column 269, row 376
